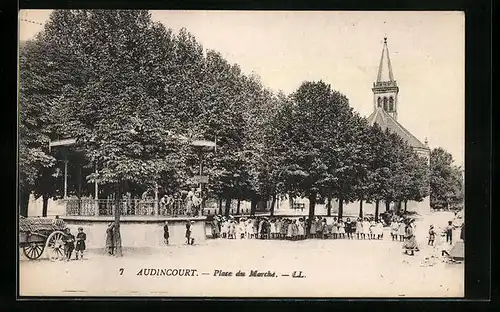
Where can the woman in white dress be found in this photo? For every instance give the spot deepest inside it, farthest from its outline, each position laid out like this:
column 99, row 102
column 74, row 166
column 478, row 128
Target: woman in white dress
column 272, row 225
column 401, row 230
column 380, row 229
column 335, row 228
column 366, row 228
column 224, row 228
column 302, row 232
column 315, row 227
column 278, row 225
column 372, row 229
column 249, row 228
column 232, row 229
column 394, row 229
column 241, row 229
column 341, row 231
column 359, row 229
column 289, row 232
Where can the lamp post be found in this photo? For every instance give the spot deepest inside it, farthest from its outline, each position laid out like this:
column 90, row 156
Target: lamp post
column 202, row 146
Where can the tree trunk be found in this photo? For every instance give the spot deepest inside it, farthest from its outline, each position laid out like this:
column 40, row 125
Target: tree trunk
column 227, row 207
column 341, row 208
column 376, row 210
column 387, row 205
column 24, row 198
column 329, row 206
column 118, row 211
column 312, row 205
column 405, row 204
column 271, row 211
column 238, row 207
column 220, row 206
column 361, row 209
column 45, row 205
column 253, row 206
column 290, row 201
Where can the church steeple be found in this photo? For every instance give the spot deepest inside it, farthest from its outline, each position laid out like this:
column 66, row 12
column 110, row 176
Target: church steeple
column 385, row 89
column 385, row 52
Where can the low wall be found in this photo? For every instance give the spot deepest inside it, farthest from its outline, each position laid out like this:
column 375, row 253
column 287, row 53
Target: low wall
column 137, row 232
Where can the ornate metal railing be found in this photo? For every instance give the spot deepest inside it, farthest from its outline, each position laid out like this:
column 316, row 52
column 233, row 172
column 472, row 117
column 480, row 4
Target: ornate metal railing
column 130, row 207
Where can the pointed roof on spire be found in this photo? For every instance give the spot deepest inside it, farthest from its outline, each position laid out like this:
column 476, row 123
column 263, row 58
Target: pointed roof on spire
column 385, row 68
column 386, row 121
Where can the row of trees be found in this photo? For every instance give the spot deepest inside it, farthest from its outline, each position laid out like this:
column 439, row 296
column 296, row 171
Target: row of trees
column 134, row 94
column 324, row 150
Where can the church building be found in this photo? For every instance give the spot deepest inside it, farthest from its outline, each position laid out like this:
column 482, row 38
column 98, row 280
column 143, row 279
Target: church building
column 385, row 104
column 385, row 113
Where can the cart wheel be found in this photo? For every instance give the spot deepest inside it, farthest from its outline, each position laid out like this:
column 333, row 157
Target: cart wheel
column 55, row 246
column 33, row 251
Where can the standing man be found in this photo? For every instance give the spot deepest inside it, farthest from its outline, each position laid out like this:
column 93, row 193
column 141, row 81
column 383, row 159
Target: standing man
column 462, row 232
column 163, row 204
column 189, row 202
column 169, row 202
column 196, row 203
column 110, row 246
column 449, row 232
column 69, row 244
column 166, row 233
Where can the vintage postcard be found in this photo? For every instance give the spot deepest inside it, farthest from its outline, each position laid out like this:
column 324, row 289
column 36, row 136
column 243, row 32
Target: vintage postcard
column 241, row 153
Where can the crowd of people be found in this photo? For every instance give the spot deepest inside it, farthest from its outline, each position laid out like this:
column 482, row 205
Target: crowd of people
column 402, row 229
column 283, row 228
column 188, row 204
column 73, row 243
column 295, row 228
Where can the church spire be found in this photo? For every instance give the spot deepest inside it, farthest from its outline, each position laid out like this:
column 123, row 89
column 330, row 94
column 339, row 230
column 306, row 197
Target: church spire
column 385, row 52
column 385, row 89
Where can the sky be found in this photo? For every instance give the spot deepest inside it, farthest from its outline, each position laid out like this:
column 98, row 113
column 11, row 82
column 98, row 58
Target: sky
column 342, row 48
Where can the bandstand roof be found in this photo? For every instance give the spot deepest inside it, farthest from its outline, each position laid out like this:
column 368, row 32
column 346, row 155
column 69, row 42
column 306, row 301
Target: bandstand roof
column 64, row 142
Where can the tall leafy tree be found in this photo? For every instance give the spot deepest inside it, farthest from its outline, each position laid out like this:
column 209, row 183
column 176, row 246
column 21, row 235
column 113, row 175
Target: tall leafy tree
column 310, row 136
column 45, row 71
column 115, row 113
column 446, row 181
column 368, row 180
column 418, row 186
column 349, row 158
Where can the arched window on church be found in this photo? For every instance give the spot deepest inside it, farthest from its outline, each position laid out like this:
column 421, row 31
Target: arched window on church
column 386, row 108
column 391, row 104
column 379, row 102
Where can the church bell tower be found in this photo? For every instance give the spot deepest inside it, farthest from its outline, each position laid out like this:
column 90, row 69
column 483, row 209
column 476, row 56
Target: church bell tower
column 385, row 89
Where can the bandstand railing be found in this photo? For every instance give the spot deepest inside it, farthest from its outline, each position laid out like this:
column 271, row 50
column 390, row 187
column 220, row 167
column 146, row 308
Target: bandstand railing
column 129, row 207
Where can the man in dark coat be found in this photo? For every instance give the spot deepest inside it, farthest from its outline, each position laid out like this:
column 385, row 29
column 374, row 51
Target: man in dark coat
column 69, row 244
column 462, row 232
column 110, row 246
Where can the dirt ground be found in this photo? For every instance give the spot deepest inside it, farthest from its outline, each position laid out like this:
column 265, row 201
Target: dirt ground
column 332, row 268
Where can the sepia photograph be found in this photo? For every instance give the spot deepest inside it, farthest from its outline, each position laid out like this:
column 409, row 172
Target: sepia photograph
column 247, row 154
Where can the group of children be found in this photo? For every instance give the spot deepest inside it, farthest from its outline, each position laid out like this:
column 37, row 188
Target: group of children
column 398, row 228
column 69, row 241
column 296, row 229
column 188, row 235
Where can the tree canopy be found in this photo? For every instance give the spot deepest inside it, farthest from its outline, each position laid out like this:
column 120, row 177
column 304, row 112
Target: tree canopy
column 446, row 181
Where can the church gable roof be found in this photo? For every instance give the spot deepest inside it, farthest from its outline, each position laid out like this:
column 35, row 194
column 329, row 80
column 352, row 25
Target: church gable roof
column 385, row 121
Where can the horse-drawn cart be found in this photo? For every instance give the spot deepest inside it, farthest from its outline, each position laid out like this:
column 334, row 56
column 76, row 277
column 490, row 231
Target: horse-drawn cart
column 39, row 234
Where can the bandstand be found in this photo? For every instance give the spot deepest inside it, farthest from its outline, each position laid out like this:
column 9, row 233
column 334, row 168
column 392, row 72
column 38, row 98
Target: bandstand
column 141, row 219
